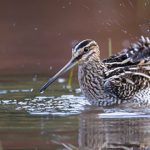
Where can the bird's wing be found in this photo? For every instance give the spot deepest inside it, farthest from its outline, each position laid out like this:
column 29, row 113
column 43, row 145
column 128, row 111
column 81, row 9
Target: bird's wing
column 125, row 82
column 137, row 53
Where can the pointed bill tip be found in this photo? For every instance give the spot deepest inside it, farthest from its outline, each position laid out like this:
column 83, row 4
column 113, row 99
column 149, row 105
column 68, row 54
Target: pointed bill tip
column 41, row 91
column 69, row 65
column 43, row 88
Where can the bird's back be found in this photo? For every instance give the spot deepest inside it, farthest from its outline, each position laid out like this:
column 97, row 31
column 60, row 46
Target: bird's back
column 137, row 53
column 129, row 73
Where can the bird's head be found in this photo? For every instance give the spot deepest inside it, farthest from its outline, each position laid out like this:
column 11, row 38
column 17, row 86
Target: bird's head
column 82, row 52
column 85, row 51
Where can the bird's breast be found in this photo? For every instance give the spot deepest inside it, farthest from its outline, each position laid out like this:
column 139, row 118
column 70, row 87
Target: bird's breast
column 91, row 82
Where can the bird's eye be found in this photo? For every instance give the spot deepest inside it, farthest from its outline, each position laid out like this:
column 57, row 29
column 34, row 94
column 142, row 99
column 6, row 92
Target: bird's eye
column 86, row 49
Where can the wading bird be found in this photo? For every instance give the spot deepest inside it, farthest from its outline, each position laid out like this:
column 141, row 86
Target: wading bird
column 121, row 78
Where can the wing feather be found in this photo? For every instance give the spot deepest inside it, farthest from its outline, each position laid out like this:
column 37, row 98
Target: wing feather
column 137, row 53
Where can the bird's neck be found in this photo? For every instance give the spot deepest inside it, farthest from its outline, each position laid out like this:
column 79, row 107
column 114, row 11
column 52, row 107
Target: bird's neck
column 93, row 65
column 92, row 61
column 91, row 76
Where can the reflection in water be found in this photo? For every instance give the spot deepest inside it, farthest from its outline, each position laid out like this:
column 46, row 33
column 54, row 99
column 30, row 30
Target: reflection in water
column 21, row 131
column 62, row 122
column 99, row 133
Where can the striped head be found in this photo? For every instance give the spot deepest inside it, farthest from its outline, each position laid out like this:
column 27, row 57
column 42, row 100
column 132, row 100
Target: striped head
column 82, row 52
column 85, row 50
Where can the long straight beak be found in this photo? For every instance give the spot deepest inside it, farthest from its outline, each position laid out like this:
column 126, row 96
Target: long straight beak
column 68, row 66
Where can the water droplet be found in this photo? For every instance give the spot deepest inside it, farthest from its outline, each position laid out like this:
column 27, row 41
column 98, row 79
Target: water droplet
column 14, row 24
column 78, row 90
column 36, row 28
column 34, row 78
column 61, row 80
column 50, row 68
column 99, row 11
column 124, row 31
column 70, row 3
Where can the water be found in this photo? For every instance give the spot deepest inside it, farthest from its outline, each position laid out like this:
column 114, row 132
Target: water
column 62, row 119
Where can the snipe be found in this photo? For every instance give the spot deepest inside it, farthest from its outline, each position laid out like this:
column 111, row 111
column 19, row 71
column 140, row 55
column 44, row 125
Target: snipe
column 121, row 78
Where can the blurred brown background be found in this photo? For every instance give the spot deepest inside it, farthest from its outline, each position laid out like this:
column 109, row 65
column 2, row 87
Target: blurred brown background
column 36, row 36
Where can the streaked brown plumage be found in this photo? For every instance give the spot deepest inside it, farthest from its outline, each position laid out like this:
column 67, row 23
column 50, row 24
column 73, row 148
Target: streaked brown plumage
column 123, row 77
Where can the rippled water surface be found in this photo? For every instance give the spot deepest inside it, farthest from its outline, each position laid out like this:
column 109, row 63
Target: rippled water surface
column 62, row 119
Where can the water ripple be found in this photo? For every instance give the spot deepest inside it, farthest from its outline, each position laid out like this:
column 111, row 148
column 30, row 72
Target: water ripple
column 43, row 105
column 16, row 91
column 64, row 105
